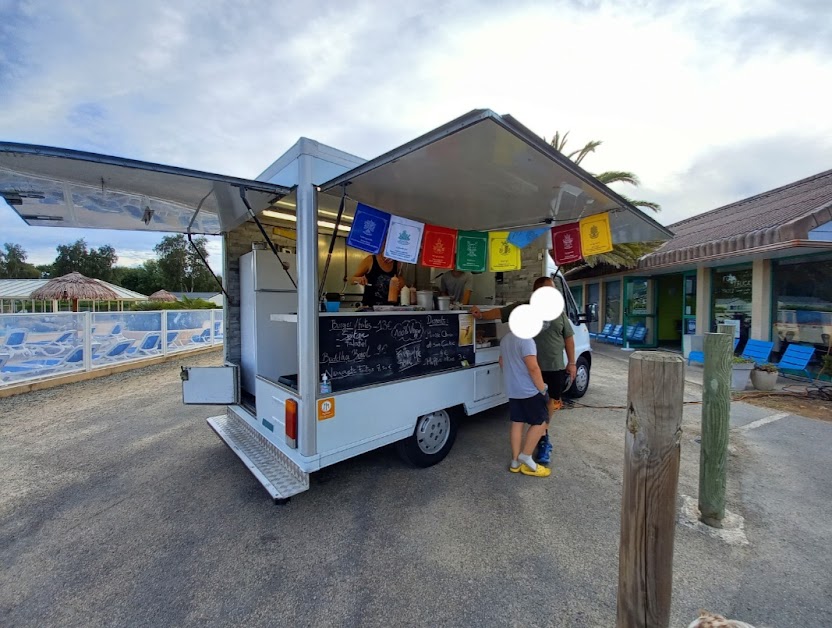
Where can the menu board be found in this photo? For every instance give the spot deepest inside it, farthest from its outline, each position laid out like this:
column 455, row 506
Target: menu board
column 363, row 350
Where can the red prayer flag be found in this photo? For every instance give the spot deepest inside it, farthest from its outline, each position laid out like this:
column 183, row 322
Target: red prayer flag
column 566, row 241
column 438, row 247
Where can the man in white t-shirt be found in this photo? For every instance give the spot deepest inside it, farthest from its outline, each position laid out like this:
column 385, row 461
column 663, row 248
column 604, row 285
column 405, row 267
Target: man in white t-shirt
column 457, row 285
column 528, row 402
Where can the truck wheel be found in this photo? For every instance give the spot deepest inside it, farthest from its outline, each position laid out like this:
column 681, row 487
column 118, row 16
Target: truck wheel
column 431, row 441
column 581, row 383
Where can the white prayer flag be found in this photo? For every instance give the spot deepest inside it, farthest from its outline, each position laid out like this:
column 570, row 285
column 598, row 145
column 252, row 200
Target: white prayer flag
column 404, row 237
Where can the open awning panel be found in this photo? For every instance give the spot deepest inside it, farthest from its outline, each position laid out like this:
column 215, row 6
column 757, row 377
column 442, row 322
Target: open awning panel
column 487, row 172
column 65, row 188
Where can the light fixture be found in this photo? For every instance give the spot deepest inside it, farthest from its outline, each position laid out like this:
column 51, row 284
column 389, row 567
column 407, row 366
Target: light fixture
column 293, row 218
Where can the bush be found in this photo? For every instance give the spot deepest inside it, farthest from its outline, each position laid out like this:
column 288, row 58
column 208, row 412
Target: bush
column 185, row 304
column 768, row 368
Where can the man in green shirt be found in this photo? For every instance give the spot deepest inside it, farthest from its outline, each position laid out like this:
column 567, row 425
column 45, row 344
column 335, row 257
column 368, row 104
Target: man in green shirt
column 555, row 337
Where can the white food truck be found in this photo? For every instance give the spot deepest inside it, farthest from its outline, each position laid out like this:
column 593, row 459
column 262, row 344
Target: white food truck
column 400, row 375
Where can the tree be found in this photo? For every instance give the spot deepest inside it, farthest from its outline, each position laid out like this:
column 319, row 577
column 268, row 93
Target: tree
column 144, row 279
column 13, row 264
column 181, row 267
column 624, row 255
column 94, row 263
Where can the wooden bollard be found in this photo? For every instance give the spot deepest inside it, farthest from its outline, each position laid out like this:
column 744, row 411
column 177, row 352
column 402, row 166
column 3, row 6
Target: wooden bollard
column 651, row 475
column 716, row 410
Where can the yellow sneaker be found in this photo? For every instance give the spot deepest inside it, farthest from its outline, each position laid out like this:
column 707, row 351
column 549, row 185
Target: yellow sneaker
column 540, row 472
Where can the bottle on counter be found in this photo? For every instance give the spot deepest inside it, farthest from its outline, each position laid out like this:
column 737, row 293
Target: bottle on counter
column 404, row 296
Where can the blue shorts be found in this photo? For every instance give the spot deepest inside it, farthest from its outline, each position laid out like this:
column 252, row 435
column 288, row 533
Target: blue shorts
column 533, row 410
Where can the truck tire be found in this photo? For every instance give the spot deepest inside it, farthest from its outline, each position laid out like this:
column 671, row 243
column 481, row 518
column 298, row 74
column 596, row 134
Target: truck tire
column 579, row 386
column 431, row 441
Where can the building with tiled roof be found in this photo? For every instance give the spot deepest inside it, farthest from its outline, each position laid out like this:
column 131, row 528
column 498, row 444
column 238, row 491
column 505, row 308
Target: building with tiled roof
column 763, row 264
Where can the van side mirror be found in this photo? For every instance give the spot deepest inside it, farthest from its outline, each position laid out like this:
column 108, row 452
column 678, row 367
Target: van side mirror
column 590, row 314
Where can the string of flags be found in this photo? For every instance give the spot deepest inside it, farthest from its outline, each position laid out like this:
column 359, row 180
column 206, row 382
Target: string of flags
column 412, row 242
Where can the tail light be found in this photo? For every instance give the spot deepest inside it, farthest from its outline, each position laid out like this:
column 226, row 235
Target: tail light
column 291, row 422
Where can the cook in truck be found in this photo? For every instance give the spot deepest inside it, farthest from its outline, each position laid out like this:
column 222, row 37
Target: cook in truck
column 382, row 280
column 555, row 336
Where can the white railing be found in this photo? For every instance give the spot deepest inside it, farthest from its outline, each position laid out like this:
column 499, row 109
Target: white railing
column 40, row 346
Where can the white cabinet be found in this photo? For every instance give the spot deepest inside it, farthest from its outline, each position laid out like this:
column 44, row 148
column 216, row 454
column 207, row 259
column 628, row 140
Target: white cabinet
column 488, row 382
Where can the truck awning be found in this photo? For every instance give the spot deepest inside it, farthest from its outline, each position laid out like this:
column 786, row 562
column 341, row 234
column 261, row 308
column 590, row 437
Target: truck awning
column 486, row 172
column 66, row 188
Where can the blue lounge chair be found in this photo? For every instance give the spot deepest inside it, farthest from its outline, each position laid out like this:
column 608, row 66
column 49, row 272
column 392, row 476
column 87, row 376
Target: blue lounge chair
column 43, row 366
column 173, row 339
column 115, row 334
column 204, row 336
column 607, row 330
column 699, row 356
column 628, row 334
column 757, row 350
column 796, row 358
column 617, row 332
column 640, row 334
column 53, row 347
column 116, row 352
column 151, row 344
column 217, row 331
column 15, row 343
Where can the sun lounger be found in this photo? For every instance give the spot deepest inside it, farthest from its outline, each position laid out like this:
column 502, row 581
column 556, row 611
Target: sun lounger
column 116, row 352
column 43, row 366
column 15, row 343
column 151, row 344
column 53, row 347
column 757, row 350
column 796, row 358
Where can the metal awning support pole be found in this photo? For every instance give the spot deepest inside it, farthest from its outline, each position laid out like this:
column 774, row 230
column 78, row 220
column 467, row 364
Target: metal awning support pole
column 307, row 264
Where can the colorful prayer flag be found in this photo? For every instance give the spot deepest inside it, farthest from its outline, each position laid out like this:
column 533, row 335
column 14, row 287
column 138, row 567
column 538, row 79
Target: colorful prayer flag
column 403, row 240
column 471, row 251
column 369, row 226
column 566, row 242
column 523, row 239
column 502, row 255
column 438, row 247
column 596, row 236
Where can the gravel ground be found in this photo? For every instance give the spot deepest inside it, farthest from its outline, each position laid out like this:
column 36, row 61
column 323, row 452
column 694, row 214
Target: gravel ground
column 121, row 507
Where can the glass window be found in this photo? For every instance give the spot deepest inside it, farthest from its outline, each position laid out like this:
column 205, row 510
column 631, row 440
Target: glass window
column 802, row 295
column 690, row 295
column 612, row 311
column 592, row 296
column 732, row 300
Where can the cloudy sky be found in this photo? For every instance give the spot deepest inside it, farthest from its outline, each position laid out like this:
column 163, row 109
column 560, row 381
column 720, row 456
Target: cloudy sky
column 707, row 101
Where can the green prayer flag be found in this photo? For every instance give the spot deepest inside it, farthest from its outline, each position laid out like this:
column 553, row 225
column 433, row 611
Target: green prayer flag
column 471, row 251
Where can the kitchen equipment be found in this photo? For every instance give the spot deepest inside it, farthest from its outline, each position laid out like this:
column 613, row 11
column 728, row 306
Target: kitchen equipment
column 444, row 303
column 424, row 298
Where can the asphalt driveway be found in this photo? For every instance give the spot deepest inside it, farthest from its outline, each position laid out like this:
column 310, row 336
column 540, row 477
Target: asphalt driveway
column 121, row 507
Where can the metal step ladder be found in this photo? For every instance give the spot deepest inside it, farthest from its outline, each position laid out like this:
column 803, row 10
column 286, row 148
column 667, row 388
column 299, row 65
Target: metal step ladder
column 278, row 474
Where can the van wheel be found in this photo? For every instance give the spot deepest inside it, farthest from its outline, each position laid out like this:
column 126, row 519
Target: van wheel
column 579, row 386
column 432, row 439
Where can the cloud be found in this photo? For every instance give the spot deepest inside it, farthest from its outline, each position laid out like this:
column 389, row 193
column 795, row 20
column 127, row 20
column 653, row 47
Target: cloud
column 733, row 172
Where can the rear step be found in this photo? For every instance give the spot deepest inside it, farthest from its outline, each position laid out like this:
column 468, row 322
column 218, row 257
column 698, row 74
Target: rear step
column 281, row 477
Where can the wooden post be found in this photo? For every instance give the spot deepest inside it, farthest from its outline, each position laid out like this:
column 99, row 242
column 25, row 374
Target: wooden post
column 716, row 410
column 651, row 474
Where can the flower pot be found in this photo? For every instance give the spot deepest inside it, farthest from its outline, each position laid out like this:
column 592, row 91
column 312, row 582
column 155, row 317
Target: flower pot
column 739, row 375
column 763, row 380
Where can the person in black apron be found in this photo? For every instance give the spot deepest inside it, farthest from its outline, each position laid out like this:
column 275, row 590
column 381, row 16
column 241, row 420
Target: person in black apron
column 375, row 273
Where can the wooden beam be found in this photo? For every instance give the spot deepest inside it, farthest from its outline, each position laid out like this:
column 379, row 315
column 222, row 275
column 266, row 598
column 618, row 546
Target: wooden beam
column 651, row 475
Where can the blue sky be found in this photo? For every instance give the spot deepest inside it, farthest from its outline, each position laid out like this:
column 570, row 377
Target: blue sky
column 708, row 101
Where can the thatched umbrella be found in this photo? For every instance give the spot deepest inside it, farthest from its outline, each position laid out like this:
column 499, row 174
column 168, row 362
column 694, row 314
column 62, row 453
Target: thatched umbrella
column 162, row 295
column 73, row 287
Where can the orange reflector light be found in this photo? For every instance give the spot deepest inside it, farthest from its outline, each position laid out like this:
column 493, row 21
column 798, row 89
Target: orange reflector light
column 292, row 419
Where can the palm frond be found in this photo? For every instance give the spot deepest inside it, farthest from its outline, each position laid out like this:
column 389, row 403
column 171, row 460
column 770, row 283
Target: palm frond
column 618, row 176
column 559, row 142
column 588, row 148
column 648, row 204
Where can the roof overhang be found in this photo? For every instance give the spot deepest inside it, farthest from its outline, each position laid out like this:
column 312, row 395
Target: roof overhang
column 488, row 172
column 66, row 188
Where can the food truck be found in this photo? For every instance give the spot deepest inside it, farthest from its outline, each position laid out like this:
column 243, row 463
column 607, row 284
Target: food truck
column 306, row 388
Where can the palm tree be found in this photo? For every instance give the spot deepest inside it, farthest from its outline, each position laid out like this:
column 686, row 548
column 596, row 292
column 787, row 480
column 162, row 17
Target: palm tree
column 623, row 255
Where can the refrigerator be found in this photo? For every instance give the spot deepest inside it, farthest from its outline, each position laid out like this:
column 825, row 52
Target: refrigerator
column 268, row 348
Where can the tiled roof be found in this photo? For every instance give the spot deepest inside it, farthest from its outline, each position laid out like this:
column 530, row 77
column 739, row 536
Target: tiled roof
column 22, row 288
column 776, row 217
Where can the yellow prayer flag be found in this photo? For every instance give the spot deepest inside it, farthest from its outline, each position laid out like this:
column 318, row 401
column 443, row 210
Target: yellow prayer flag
column 596, row 236
column 502, row 254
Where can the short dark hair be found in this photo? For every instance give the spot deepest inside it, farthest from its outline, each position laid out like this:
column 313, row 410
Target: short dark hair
column 540, row 281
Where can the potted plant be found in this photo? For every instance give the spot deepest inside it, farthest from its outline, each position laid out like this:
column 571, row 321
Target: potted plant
column 740, row 372
column 764, row 376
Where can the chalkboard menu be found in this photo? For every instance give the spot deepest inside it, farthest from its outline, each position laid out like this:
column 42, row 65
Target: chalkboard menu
column 362, row 350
